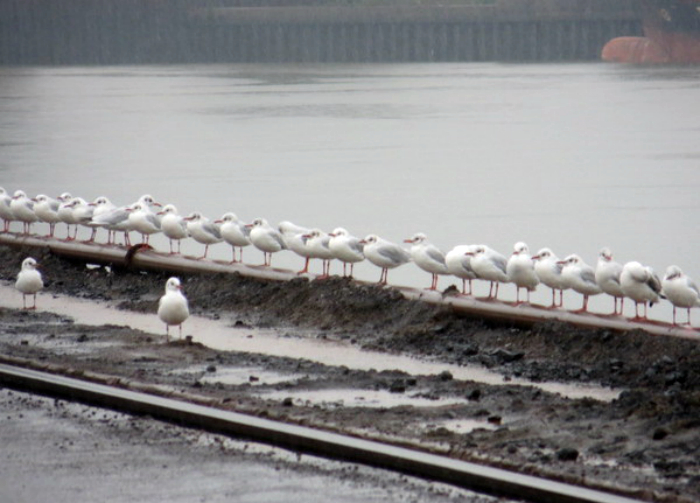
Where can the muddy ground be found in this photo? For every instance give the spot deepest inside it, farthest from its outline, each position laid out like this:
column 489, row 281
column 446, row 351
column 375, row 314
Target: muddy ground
column 644, row 444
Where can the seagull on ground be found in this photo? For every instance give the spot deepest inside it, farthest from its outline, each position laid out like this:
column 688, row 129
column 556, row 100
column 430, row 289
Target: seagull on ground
column 29, row 281
column 172, row 307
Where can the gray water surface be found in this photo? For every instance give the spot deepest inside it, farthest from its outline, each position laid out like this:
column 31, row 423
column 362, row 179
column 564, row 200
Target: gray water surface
column 574, row 156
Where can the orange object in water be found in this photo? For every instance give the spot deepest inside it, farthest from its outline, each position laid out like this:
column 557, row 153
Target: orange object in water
column 634, row 50
column 672, row 35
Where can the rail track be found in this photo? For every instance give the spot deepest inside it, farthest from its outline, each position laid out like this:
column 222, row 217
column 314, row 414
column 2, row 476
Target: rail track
column 463, row 474
column 521, row 314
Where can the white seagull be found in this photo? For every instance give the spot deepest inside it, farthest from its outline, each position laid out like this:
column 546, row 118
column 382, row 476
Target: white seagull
column 46, row 208
column 102, row 206
column 144, row 221
column 317, row 242
column 22, row 208
column 580, row 277
column 266, row 239
column 680, row 290
column 548, row 270
column 521, row 271
column 459, row 264
column 5, row 211
column 607, row 275
column 428, row 257
column 346, row 248
column 384, row 254
column 172, row 307
column 234, row 233
column 489, row 265
column 29, row 281
column 295, row 237
column 640, row 284
column 173, row 226
column 203, row 231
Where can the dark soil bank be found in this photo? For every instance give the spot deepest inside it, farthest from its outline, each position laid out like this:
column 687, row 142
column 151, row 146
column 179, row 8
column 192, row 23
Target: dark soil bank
column 645, row 443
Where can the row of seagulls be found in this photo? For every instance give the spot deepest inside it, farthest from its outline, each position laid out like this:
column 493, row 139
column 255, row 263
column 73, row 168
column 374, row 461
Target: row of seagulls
column 466, row 262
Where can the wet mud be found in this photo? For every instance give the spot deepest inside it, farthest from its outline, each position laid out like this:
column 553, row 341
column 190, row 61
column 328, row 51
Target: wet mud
column 642, row 444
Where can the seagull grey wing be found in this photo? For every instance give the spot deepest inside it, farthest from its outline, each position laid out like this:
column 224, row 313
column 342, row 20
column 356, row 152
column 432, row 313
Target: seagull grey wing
column 245, row 230
column 356, row 245
column 654, row 282
column 212, row 229
column 693, row 286
column 588, row 276
column 278, row 237
column 436, row 255
column 394, row 253
column 153, row 219
column 500, row 262
column 113, row 217
column 53, row 205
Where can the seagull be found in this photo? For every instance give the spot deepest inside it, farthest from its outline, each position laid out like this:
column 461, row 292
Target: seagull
column 74, row 212
column 460, row 264
column 346, row 248
column 428, row 257
column 548, row 270
column 203, row 231
column 580, row 277
column 640, row 284
column 22, row 208
column 266, row 239
column 102, row 206
column 489, row 265
column 235, row 233
column 317, row 242
column 5, row 211
column 29, row 281
column 172, row 307
column 295, row 237
column 173, row 226
column 46, row 209
column 607, row 275
column 144, row 221
column 384, row 254
column 680, row 290
column 521, row 270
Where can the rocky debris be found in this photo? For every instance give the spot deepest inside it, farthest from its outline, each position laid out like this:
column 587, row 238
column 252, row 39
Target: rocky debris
column 644, row 442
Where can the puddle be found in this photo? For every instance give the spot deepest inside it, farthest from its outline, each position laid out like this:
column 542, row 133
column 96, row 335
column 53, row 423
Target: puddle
column 236, row 376
column 218, row 335
column 358, row 398
column 461, row 425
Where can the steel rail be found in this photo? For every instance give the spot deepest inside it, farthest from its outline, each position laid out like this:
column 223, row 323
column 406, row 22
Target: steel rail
column 523, row 314
column 472, row 476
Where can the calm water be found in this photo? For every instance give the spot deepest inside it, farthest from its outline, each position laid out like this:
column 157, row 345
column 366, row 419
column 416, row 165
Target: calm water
column 574, row 157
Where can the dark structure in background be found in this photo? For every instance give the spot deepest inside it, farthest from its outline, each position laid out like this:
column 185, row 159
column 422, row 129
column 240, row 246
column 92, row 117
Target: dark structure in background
column 671, row 35
column 89, row 32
